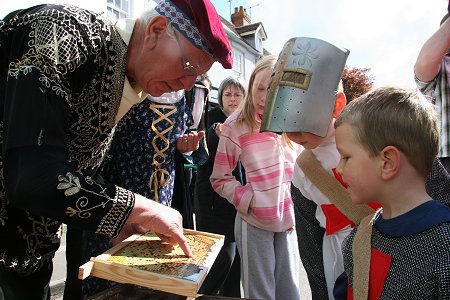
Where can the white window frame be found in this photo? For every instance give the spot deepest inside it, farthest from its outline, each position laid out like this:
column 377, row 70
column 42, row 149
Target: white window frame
column 258, row 43
column 238, row 62
column 114, row 12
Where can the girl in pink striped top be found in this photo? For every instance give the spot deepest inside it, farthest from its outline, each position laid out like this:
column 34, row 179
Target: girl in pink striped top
column 264, row 227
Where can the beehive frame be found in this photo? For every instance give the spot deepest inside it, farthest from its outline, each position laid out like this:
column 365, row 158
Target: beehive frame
column 143, row 259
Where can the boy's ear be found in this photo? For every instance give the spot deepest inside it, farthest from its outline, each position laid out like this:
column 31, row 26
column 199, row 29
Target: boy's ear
column 339, row 105
column 155, row 30
column 390, row 158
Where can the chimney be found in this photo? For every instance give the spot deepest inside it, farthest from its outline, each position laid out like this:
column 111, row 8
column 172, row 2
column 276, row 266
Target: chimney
column 240, row 17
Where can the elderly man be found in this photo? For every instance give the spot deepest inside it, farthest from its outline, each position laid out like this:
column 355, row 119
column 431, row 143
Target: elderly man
column 67, row 76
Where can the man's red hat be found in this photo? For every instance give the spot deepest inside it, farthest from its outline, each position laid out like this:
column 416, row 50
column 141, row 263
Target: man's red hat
column 199, row 22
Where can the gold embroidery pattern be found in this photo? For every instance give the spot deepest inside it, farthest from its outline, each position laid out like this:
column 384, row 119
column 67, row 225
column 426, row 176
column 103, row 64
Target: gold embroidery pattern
column 160, row 177
column 116, row 215
column 57, row 46
column 71, row 185
column 42, row 231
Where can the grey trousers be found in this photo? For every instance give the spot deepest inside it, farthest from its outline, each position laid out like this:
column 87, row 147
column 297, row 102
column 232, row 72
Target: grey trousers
column 269, row 262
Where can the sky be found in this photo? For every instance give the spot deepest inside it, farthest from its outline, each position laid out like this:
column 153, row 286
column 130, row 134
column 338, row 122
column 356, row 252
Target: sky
column 384, row 35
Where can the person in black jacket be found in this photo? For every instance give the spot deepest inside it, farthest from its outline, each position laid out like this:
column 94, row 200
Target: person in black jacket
column 186, row 162
column 212, row 212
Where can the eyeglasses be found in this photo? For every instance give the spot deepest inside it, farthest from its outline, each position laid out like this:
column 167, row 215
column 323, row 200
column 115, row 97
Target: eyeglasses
column 187, row 66
column 235, row 95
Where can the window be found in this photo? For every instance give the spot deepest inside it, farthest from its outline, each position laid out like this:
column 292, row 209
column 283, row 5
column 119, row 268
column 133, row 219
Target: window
column 213, row 95
column 125, row 5
column 238, row 62
column 118, row 9
column 258, row 43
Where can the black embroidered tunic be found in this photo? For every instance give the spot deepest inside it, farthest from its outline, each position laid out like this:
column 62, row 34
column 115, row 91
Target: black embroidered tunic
column 62, row 72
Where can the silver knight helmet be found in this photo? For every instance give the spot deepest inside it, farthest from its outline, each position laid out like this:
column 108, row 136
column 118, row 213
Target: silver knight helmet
column 302, row 92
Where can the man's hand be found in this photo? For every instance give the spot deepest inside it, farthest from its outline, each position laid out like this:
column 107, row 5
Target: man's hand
column 189, row 141
column 148, row 215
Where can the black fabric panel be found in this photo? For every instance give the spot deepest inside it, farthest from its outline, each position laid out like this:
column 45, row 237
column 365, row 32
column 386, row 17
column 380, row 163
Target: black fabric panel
column 310, row 240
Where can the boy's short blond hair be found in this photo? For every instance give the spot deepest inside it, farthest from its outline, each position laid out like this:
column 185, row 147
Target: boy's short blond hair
column 390, row 116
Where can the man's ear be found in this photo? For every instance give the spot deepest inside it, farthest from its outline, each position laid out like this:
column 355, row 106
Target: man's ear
column 155, row 30
column 390, row 159
column 339, row 105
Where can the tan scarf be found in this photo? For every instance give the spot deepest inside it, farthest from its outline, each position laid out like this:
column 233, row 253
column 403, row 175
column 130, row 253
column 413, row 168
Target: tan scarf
column 362, row 253
column 339, row 196
column 331, row 188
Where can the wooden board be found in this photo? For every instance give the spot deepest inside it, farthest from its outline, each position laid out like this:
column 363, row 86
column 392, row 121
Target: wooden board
column 134, row 292
column 143, row 259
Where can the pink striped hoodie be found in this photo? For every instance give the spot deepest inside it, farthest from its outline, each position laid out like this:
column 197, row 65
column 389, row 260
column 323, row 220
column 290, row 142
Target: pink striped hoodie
column 269, row 163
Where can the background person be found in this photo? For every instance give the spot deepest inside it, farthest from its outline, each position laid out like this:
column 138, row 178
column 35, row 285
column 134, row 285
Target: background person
column 212, row 212
column 432, row 78
column 186, row 162
column 264, row 228
column 141, row 159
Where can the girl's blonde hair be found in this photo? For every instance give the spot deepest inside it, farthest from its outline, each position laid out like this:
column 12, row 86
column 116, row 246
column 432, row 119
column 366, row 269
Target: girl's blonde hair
column 247, row 111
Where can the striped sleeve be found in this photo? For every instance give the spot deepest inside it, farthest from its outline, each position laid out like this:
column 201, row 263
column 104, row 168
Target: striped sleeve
column 222, row 179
